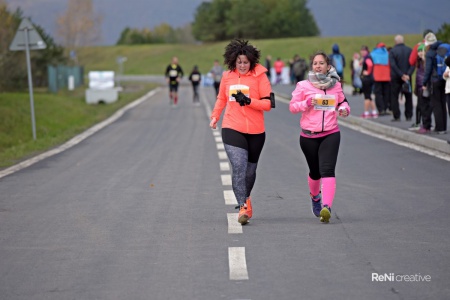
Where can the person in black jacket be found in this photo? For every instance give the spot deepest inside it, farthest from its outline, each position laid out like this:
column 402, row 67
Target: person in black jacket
column 195, row 77
column 174, row 73
column 435, row 85
column 401, row 72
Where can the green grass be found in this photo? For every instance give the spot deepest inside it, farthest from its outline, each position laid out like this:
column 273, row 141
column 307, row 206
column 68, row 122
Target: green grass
column 153, row 59
column 59, row 117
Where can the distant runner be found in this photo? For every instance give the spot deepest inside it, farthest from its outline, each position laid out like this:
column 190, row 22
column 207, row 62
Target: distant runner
column 174, row 73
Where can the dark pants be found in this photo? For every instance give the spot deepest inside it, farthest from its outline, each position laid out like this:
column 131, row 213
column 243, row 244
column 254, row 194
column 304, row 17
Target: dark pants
column 321, row 154
column 396, row 86
column 439, row 106
column 382, row 95
column 425, row 110
column 217, row 86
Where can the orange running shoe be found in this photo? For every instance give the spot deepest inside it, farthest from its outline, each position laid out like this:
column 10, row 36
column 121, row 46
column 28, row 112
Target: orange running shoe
column 243, row 215
column 248, row 202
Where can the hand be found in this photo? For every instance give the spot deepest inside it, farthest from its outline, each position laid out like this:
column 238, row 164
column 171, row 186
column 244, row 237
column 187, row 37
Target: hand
column 311, row 102
column 213, row 123
column 241, row 98
column 343, row 112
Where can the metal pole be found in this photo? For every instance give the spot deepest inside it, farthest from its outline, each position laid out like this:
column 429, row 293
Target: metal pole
column 30, row 82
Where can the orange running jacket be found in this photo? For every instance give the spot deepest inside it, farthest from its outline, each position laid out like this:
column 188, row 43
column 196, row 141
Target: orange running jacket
column 249, row 118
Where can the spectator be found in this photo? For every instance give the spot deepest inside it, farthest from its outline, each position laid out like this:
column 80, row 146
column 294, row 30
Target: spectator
column 216, row 72
column 268, row 65
column 414, row 52
column 423, row 108
column 355, row 68
column 434, row 85
column 367, row 83
column 401, row 72
column 382, row 78
column 278, row 66
column 299, row 68
column 338, row 62
column 446, row 76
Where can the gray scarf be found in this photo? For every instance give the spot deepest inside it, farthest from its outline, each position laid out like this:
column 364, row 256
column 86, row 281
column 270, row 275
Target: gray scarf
column 324, row 81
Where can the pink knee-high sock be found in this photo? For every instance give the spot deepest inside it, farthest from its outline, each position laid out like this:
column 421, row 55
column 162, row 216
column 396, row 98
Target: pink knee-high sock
column 328, row 190
column 314, row 186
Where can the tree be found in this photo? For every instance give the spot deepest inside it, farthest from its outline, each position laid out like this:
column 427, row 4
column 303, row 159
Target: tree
column 443, row 34
column 224, row 19
column 13, row 69
column 79, row 26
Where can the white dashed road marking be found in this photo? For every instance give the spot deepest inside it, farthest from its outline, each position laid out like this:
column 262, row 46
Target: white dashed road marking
column 233, row 225
column 237, row 263
column 230, row 199
column 236, row 255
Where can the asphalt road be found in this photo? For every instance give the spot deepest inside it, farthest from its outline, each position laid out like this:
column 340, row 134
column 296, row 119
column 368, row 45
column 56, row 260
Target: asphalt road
column 137, row 211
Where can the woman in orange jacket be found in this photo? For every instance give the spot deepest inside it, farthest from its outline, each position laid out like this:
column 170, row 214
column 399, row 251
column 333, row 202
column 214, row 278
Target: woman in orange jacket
column 245, row 92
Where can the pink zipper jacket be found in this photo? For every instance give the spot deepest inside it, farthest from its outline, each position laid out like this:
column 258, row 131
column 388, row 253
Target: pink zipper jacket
column 319, row 122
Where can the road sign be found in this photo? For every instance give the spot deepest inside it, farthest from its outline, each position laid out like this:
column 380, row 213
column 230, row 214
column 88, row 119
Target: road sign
column 27, row 38
column 35, row 42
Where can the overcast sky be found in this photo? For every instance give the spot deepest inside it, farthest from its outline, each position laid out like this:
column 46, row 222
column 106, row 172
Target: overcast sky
column 334, row 17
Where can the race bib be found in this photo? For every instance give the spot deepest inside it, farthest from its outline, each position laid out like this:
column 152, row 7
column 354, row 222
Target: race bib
column 195, row 77
column 325, row 102
column 238, row 87
column 173, row 73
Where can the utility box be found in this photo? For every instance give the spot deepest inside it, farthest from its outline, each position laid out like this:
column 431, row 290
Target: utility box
column 101, row 88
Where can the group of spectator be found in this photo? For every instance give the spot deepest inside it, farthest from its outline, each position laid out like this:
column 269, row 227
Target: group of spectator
column 388, row 73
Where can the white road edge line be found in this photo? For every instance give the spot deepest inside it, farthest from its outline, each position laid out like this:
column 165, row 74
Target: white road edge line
column 79, row 138
column 234, row 227
column 237, row 263
column 412, row 146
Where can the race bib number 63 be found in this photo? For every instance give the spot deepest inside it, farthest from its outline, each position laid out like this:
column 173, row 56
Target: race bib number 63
column 325, row 102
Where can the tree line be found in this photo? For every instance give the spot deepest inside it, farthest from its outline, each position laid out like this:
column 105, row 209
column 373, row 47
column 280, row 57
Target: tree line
column 220, row 20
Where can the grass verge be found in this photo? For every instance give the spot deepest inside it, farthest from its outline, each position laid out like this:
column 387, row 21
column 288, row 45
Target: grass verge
column 59, row 117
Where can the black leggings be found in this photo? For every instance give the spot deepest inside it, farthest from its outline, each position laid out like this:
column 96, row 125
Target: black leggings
column 253, row 143
column 243, row 151
column 321, row 154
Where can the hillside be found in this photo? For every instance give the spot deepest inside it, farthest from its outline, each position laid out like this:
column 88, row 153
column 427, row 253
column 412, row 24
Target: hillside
column 153, row 59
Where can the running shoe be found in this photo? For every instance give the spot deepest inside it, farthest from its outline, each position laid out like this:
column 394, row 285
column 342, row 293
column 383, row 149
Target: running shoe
column 366, row 116
column 316, row 204
column 248, row 202
column 243, row 215
column 325, row 214
column 423, row 131
column 414, row 127
column 374, row 115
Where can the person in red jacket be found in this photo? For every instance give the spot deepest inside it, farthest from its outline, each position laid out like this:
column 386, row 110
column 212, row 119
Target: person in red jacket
column 278, row 66
column 381, row 78
column 245, row 92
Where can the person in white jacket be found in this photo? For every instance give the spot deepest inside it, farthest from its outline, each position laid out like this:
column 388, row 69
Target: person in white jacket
column 447, row 83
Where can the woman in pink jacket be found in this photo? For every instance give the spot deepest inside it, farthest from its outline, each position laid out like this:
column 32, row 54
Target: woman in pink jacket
column 320, row 99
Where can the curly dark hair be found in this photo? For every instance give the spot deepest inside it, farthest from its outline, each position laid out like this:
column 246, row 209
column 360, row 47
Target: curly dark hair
column 324, row 55
column 240, row 47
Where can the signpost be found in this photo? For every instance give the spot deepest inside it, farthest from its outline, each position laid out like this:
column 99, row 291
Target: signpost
column 27, row 38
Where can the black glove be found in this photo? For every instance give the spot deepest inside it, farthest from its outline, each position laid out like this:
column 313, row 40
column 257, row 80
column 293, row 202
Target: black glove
column 241, row 98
